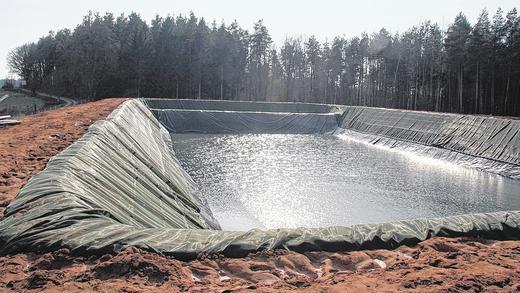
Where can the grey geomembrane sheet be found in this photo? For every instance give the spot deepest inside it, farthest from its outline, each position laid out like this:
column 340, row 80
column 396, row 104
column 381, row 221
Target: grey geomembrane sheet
column 121, row 184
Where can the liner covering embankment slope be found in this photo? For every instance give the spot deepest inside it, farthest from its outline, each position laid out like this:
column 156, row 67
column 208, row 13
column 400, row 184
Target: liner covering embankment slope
column 486, row 137
column 487, row 143
column 121, row 185
column 210, row 116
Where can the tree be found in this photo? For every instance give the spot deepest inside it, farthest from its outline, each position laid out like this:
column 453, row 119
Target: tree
column 512, row 55
column 292, row 61
column 479, row 46
column 96, row 48
column 258, row 65
column 456, row 48
column 313, row 54
column 464, row 69
column 24, row 62
column 134, row 37
column 497, row 46
column 221, row 46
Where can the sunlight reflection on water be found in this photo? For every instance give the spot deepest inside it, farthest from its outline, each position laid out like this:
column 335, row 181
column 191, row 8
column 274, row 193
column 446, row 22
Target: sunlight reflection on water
column 275, row 181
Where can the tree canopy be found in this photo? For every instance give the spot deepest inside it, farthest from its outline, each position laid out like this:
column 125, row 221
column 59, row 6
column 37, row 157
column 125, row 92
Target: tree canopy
column 467, row 68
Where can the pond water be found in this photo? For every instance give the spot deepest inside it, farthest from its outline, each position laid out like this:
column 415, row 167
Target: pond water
column 281, row 181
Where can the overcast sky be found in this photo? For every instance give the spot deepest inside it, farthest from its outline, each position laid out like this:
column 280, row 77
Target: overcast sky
column 23, row 21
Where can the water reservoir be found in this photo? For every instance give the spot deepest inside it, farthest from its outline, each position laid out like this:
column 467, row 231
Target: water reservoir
column 320, row 180
column 185, row 177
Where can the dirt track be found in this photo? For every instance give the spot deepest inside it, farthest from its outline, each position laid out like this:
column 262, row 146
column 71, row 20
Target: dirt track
column 440, row 264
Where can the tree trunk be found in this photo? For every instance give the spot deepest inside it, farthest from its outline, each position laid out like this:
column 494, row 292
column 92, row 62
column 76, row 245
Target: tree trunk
column 461, row 79
column 222, row 82
column 506, row 99
column 492, row 102
column 477, row 80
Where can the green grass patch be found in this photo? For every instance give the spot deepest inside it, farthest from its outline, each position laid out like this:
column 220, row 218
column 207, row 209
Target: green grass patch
column 20, row 103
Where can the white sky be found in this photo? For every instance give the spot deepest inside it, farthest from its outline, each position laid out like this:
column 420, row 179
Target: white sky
column 23, row 21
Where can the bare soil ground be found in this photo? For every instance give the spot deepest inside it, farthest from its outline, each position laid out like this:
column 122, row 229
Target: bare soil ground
column 436, row 265
column 26, row 148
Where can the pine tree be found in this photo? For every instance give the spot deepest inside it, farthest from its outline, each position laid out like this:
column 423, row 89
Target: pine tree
column 480, row 53
column 497, row 45
column 313, row 53
column 258, row 66
column 456, row 50
column 466, row 69
column 512, row 54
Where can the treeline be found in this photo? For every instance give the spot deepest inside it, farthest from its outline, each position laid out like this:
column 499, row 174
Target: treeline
column 468, row 68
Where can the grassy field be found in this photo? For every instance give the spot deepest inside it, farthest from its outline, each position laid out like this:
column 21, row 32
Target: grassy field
column 19, row 103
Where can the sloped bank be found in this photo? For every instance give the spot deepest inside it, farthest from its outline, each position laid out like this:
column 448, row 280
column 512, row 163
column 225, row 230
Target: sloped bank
column 208, row 116
column 120, row 185
column 487, row 143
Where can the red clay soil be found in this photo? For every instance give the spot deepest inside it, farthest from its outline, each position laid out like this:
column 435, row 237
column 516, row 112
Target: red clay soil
column 436, row 265
column 26, row 148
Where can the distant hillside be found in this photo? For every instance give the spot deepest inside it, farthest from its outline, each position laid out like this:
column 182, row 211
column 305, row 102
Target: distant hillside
column 17, row 82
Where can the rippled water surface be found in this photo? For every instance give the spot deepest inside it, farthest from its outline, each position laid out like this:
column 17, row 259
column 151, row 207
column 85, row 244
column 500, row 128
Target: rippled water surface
column 274, row 181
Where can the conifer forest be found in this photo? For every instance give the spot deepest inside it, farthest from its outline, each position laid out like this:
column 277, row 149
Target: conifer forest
column 466, row 68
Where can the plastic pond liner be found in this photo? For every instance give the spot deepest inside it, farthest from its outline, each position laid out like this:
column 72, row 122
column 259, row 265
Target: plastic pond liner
column 182, row 177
